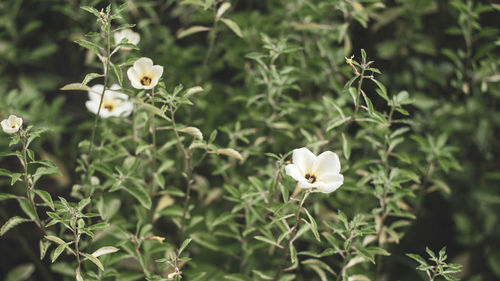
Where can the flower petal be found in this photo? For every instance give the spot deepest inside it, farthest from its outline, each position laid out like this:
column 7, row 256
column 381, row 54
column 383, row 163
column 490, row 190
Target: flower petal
column 143, row 65
column 124, row 109
column 330, row 182
column 95, row 92
column 157, row 71
column 326, row 162
column 92, row 106
column 115, row 87
column 294, row 171
column 134, row 78
column 304, row 159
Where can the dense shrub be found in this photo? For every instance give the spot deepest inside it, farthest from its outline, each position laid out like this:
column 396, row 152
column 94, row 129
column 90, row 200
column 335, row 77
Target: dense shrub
column 194, row 168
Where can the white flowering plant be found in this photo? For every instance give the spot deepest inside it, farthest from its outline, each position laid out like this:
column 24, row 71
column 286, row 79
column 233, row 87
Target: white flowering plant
column 245, row 140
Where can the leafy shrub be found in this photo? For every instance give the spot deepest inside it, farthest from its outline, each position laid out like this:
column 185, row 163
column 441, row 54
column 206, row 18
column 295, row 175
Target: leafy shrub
column 181, row 169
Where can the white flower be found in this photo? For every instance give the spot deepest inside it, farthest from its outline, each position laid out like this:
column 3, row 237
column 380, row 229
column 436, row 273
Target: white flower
column 131, row 36
column 322, row 171
column 12, row 124
column 144, row 75
column 113, row 104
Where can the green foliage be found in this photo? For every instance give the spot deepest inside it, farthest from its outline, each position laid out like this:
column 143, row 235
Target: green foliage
column 440, row 268
column 192, row 184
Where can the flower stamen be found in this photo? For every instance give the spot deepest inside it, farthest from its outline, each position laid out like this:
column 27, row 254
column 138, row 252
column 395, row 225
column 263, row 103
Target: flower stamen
column 310, row 178
column 146, row 80
column 109, row 107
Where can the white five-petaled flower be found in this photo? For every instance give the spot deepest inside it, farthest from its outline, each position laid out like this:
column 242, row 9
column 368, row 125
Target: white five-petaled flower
column 322, row 171
column 144, row 75
column 12, row 124
column 131, row 36
column 114, row 103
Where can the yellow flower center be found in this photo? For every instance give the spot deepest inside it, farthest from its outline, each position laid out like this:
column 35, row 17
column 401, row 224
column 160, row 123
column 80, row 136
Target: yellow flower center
column 146, row 80
column 109, row 107
column 310, row 178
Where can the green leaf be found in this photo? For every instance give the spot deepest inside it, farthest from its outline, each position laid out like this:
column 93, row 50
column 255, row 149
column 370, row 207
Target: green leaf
column 184, row 245
column 11, row 223
column 118, row 73
column 20, row 273
column 233, row 26
column 313, row 225
column 383, row 91
column 89, row 77
column 45, row 197
column 346, row 147
column 152, row 109
column 55, row 239
column 5, row 196
column 91, row 10
column 89, row 45
column 418, row 258
column 15, row 178
column 44, row 246
column 83, row 203
column 75, row 87
column 141, row 195
column 267, row 240
column 26, row 206
column 104, row 251
column 57, row 252
column 365, row 253
column 95, row 260
column 192, row 30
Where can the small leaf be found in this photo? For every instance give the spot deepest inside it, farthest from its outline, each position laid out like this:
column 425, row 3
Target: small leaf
column 346, row 147
column 45, row 197
column 95, row 260
column 55, row 239
column 89, row 77
column 44, row 246
column 4, row 196
column 20, row 273
column 141, row 195
column 223, row 8
column 91, row 10
column 230, row 152
column 118, row 73
column 383, row 91
column 104, row 251
column 89, row 45
column 313, row 225
column 233, row 26
column 83, row 203
column 11, row 223
column 192, row 91
column 184, row 245
column 152, row 109
column 269, row 241
column 26, row 206
column 193, row 29
column 195, row 132
column 57, row 252
column 75, row 87
column 365, row 253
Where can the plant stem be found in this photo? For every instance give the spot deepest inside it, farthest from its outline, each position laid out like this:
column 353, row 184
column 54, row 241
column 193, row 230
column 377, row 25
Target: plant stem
column 27, row 180
column 188, row 170
column 106, row 73
column 153, row 134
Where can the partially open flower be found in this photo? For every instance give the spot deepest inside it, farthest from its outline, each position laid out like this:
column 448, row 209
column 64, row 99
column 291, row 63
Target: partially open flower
column 12, row 124
column 144, row 75
column 131, row 36
column 322, row 171
column 113, row 104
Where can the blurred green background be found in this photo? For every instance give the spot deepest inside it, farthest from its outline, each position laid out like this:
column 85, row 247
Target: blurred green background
column 444, row 53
